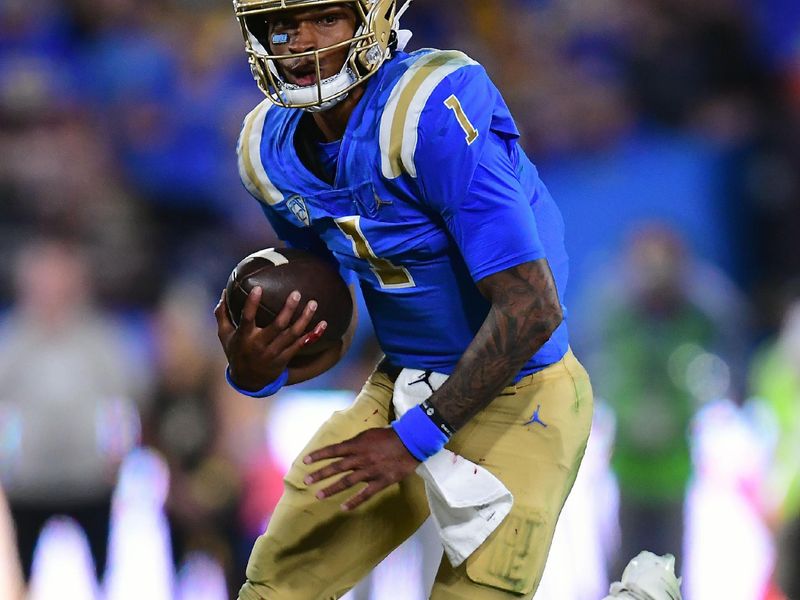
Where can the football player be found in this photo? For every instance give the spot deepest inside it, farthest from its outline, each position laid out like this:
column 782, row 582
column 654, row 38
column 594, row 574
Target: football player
column 406, row 169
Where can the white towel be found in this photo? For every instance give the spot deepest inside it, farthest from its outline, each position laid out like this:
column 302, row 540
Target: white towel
column 467, row 502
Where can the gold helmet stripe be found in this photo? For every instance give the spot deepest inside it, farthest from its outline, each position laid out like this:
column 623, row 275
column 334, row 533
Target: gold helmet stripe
column 400, row 119
column 251, row 169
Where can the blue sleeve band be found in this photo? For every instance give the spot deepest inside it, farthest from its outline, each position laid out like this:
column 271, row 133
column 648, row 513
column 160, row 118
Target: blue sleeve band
column 267, row 390
column 419, row 434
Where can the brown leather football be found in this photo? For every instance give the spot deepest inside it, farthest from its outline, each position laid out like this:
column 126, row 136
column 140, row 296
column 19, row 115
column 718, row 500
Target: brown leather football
column 280, row 271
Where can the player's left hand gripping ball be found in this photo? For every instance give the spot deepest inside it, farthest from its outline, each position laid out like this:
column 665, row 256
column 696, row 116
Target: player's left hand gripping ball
column 376, row 457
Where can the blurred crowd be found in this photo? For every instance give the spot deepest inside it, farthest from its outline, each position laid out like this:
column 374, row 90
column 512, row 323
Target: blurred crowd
column 667, row 130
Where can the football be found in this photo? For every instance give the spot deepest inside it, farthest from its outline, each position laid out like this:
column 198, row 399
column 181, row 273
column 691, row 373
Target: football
column 280, row 271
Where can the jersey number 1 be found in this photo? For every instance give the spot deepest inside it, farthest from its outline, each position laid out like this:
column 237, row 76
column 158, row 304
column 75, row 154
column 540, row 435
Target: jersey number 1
column 453, row 104
column 389, row 275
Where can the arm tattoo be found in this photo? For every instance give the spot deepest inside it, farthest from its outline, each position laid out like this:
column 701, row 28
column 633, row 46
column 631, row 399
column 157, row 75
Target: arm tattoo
column 524, row 314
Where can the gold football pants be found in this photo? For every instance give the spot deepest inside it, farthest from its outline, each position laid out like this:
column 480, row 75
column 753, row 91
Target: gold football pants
column 532, row 437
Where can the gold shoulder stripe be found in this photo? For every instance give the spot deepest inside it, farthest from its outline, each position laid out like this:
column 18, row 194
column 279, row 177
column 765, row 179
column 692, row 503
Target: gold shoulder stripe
column 400, row 119
column 251, row 169
column 243, row 153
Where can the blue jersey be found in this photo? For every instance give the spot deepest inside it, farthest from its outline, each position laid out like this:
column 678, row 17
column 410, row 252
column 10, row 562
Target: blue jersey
column 431, row 194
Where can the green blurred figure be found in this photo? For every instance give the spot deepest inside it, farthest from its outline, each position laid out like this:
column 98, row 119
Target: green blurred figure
column 664, row 345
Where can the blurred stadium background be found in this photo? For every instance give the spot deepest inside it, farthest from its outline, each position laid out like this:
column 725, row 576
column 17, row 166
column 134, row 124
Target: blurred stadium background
column 667, row 131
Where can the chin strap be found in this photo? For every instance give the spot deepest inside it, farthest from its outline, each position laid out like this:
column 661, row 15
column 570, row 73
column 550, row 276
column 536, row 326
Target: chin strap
column 329, row 88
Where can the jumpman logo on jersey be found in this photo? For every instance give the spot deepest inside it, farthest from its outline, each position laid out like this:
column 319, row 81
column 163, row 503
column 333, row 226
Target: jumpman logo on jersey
column 380, row 201
column 535, row 418
column 424, row 378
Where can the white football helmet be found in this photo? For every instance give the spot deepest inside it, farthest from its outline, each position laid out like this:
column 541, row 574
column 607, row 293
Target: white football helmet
column 648, row 577
column 372, row 43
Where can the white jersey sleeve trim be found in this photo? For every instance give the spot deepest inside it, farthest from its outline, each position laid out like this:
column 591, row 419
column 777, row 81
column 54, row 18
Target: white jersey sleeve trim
column 251, row 169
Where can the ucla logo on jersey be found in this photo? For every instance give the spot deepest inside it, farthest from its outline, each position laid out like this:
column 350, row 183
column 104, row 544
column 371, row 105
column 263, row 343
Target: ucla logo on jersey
column 297, row 206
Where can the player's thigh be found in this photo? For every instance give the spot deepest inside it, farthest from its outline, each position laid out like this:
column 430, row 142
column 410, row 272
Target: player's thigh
column 314, row 550
column 537, row 458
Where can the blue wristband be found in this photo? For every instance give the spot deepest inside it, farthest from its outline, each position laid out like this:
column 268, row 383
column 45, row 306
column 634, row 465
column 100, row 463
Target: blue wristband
column 267, row 390
column 421, row 436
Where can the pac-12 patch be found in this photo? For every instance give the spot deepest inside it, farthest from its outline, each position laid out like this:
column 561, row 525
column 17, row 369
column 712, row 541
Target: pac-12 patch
column 297, row 206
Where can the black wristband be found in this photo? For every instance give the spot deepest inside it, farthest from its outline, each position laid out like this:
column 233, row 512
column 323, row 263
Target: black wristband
column 436, row 417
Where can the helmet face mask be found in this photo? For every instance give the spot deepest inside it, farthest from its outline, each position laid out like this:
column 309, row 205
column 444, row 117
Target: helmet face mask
column 366, row 50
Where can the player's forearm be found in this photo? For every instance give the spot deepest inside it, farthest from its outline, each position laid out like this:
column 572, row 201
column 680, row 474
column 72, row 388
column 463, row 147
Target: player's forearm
column 524, row 314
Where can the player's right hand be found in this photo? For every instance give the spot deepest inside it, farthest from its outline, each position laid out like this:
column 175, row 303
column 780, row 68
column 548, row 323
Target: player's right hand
column 258, row 355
